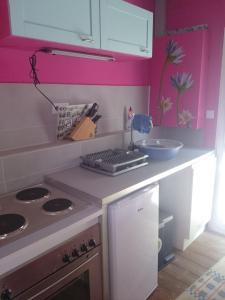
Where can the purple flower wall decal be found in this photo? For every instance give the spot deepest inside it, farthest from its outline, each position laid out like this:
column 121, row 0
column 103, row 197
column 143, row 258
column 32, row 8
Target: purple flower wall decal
column 174, row 55
column 181, row 82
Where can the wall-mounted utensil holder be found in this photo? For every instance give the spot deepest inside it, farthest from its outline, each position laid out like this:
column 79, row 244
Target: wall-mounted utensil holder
column 84, row 130
column 68, row 117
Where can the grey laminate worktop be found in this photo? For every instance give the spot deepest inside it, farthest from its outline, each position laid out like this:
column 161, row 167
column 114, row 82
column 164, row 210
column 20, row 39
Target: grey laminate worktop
column 107, row 188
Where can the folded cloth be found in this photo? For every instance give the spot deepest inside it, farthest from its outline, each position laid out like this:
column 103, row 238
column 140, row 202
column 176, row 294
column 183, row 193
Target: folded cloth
column 210, row 286
column 142, row 123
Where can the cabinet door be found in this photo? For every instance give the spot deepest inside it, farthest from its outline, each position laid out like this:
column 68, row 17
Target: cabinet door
column 202, row 194
column 175, row 197
column 69, row 22
column 125, row 28
column 188, row 196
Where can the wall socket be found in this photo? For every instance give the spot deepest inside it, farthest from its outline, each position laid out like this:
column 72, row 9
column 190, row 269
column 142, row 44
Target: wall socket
column 58, row 106
column 210, row 114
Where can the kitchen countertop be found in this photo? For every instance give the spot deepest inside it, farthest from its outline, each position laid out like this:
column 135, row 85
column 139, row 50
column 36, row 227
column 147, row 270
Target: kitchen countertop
column 99, row 190
column 106, row 189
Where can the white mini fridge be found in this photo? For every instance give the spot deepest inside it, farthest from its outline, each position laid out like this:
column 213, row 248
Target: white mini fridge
column 133, row 245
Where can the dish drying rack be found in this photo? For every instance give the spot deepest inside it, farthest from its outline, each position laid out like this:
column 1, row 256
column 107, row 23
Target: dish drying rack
column 114, row 162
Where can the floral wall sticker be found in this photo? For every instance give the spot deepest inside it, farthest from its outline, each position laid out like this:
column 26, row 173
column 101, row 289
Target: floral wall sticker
column 185, row 118
column 182, row 82
column 178, row 80
column 165, row 104
column 174, row 55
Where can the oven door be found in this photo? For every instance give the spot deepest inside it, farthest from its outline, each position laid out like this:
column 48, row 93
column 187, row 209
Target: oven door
column 80, row 282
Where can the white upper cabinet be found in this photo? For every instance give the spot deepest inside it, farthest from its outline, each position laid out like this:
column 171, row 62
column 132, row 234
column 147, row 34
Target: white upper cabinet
column 112, row 25
column 69, row 21
column 126, row 28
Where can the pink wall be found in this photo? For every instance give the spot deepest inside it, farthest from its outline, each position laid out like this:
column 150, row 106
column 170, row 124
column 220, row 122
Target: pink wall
column 183, row 13
column 15, row 67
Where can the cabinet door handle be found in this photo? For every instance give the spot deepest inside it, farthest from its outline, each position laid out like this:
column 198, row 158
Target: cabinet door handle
column 144, row 49
column 86, row 38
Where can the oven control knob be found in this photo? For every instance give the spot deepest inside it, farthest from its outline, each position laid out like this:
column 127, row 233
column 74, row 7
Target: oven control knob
column 92, row 243
column 6, row 294
column 83, row 248
column 75, row 253
column 67, row 258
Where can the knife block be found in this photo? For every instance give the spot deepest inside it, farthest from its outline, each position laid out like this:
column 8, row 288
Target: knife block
column 84, row 130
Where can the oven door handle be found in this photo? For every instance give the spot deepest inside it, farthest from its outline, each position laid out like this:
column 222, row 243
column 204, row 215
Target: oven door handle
column 64, row 277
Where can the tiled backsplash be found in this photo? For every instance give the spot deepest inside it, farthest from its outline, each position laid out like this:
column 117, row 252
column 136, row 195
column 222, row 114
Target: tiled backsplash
column 188, row 136
column 26, row 168
column 28, row 147
column 26, row 117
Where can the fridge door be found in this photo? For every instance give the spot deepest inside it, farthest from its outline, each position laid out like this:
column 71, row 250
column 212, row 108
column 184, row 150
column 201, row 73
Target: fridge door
column 133, row 245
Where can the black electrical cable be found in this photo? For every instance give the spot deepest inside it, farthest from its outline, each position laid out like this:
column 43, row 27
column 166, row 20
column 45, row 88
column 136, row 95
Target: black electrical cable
column 34, row 77
column 33, row 71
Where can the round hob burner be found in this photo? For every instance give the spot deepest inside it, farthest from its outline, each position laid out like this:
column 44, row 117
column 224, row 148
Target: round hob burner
column 57, row 205
column 32, row 194
column 10, row 224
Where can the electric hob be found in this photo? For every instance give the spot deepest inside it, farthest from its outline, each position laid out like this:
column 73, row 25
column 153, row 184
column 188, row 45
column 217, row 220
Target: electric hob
column 31, row 209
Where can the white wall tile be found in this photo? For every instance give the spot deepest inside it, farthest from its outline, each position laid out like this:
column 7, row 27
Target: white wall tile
column 110, row 125
column 30, row 163
column 1, row 171
column 26, row 120
column 102, row 143
column 18, row 138
column 26, row 181
column 2, row 188
column 26, row 117
column 28, row 168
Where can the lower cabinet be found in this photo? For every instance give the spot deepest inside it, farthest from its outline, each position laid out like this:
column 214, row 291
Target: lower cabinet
column 188, row 195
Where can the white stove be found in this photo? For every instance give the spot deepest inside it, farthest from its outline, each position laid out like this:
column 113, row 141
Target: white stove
column 32, row 209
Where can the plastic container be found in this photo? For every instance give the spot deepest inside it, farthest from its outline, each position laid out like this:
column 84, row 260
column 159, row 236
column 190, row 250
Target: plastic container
column 166, row 231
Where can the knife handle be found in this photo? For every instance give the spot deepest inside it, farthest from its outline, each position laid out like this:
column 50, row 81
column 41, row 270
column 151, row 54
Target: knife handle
column 92, row 110
column 96, row 118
